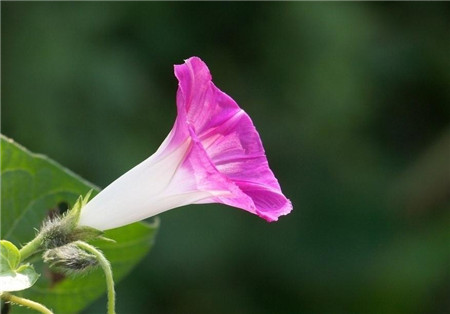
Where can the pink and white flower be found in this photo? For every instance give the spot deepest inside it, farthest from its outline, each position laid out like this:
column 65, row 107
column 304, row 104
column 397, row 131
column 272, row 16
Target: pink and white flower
column 212, row 155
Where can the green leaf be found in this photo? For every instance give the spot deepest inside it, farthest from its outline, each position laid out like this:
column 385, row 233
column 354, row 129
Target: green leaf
column 32, row 187
column 12, row 277
column 9, row 256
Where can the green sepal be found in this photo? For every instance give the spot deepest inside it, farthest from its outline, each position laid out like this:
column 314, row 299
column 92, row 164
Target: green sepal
column 85, row 233
column 107, row 239
column 73, row 216
column 62, row 230
column 14, row 277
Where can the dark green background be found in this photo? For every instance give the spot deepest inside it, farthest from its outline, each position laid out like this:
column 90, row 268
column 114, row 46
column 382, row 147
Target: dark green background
column 351, row 101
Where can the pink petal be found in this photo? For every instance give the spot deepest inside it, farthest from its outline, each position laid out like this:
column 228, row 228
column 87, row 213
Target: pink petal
column 227, row 152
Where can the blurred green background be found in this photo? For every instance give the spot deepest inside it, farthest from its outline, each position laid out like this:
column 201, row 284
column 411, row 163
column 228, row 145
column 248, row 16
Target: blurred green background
column 352, row 101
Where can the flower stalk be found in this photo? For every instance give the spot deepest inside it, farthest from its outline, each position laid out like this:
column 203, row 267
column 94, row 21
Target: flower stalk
column 31, row 247
column 8, row 297
column 104, row 264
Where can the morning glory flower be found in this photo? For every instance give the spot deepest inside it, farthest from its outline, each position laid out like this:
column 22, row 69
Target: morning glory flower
column 213, row 154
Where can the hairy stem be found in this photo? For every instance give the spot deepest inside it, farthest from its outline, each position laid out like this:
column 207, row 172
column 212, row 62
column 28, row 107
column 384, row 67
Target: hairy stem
column 31, row 247
column 25, row 302
column 104, row 263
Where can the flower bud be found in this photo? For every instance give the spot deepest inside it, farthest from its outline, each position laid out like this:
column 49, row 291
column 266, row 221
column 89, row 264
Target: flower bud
column 70, row 259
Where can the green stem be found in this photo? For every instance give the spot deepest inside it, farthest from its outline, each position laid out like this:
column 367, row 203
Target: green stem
column 25, row 302
column 31, row 247
column 107, row 270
